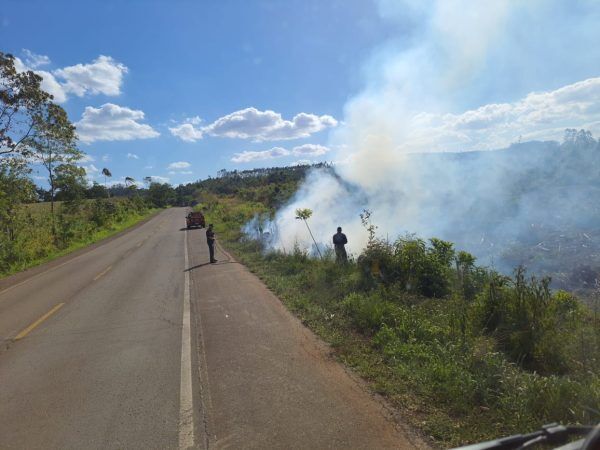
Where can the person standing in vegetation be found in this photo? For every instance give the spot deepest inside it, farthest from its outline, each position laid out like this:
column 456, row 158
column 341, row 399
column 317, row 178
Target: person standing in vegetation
column 210, row 240
column 339, row 242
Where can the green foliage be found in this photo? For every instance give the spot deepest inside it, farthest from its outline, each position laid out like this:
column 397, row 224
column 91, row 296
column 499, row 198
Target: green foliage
column 303, row 213
column 533, row 326
column 161, row 195
column 77, row 223
column 477, row 354
column 410, row 263
column 22, row 102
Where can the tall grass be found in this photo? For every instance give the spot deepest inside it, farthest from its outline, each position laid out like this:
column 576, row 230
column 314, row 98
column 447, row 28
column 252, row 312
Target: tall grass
column 31, row 240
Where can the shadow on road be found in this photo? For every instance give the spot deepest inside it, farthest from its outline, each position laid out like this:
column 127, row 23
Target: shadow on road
column 220, row 263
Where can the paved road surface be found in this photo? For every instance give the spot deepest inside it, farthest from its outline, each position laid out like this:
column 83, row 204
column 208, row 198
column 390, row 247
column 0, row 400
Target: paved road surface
column 139, row 343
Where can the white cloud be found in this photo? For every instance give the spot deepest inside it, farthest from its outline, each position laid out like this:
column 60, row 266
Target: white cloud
column 196, row 120
column 104, row 75
column 159, row 179
column 86, row 159
column 48, row 84
column 310, row 150
column 251, row 123
column 179, row 165
column 279, row 152
column 91, row 169
column 148, row 167
column 112, row 122
column 34, row 60
column 539, row 115
column 183, row 172
column 132, row 156
column 186, row 132
column 248, row 156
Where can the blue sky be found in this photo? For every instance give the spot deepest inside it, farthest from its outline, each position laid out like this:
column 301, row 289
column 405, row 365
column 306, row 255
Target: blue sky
column 180, row 89
column 205, row 59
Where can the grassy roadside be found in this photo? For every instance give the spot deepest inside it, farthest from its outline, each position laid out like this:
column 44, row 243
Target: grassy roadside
column 82, row 239
column 428, row 356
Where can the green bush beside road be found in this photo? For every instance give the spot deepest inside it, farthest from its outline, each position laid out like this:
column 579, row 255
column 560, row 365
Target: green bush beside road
column 31, row 239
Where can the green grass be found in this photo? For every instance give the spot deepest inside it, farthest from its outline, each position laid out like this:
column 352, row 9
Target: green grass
column 430, row 357
column 35, row 245
column 93, row 238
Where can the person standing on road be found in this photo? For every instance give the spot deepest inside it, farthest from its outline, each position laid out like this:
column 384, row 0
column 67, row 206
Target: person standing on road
column 210, row 240
column 339, row 242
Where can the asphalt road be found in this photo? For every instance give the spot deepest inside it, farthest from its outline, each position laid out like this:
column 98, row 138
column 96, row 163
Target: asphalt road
column 139, row 343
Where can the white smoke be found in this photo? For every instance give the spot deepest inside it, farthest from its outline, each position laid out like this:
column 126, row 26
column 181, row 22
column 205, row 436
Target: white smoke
column 418, row 99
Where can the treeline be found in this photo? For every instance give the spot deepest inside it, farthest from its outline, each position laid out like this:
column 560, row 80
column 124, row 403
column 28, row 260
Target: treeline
column 272, row 186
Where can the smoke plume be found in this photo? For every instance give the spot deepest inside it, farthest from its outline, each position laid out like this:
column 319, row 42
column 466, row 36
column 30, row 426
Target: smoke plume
column 414, row 145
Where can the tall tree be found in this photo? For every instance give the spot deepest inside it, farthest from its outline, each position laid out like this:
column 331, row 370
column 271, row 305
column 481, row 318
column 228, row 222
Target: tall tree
column 71, row 182
column 21, row 101
column 107, row 175
column 53, row 143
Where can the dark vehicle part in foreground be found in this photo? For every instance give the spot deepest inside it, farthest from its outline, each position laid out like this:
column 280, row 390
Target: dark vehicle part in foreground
column 195, row 219
column 551, row 434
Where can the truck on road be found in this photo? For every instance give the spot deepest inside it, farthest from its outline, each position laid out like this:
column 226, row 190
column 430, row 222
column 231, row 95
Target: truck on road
column 195, row 219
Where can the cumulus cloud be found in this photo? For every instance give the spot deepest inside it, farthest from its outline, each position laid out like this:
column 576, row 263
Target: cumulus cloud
column 112, row 122
column 179, row 165
column 34, row 60
column 187, row 132
column 132, row 156
column 310, row 150
column 251, row 123
column 104, row 75
column 249, row 156
column 279, row 152
column 537, row 116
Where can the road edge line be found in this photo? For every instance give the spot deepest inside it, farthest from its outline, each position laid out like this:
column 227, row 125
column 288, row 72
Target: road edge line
column 186, row 401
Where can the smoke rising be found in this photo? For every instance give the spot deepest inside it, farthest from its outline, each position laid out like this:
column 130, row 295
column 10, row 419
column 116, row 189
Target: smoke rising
column 414, row 146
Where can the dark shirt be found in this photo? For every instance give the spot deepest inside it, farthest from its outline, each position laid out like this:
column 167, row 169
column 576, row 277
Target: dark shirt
column 340, row 239
column 210, row 236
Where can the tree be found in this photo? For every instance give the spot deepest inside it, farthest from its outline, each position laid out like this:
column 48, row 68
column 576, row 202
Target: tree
column 96, row 191
column 71, row 182
column 15, row 189
column 106, row 174
column 578, row 139
column 21, row 101
column 161, row 195
column 53, row 143
column 304, row 214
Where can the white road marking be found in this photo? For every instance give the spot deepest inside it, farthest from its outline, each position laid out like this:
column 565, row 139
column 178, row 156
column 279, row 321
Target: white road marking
column 186, row 402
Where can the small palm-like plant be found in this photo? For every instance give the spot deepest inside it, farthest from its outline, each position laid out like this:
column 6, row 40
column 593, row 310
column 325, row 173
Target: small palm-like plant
column 107, row 175
column 304, row 214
